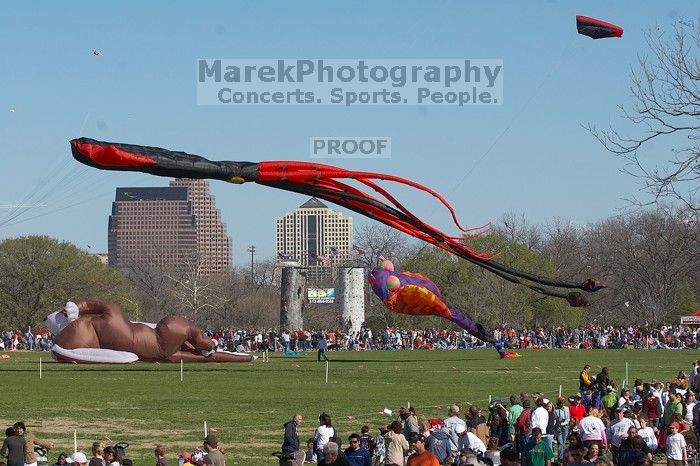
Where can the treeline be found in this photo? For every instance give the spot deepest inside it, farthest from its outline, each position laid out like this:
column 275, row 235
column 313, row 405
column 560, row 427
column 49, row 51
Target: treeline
column 650, row 261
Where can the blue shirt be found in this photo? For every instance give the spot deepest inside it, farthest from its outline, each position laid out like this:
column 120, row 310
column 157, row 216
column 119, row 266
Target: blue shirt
column 359, row 457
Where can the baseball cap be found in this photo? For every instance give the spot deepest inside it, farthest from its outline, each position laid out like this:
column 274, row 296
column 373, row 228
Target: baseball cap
column 417, row 437
column 454, row 408
column 403, row 410
column 77, row 457
column 459, row 428
column 609, row 388
column 545, row 401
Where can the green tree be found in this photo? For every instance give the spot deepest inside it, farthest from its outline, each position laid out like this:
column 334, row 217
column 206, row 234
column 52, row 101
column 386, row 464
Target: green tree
column 38, row 274
column 488, row 298
column 685, row 303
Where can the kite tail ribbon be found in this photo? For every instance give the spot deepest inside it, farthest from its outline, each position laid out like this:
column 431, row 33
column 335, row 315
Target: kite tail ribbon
column 480, row 332
column 322, row 181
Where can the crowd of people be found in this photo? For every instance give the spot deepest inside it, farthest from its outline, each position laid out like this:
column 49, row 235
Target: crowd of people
column 602, row 425
column 394, row 338
column 22, row 448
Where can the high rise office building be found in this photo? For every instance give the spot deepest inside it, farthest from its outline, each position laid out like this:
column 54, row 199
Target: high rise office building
column 172, row 227
column 314, row 235
column 213, row 244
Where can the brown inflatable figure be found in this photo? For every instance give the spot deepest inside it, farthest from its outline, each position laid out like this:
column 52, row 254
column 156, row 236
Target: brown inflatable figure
column 96, row 331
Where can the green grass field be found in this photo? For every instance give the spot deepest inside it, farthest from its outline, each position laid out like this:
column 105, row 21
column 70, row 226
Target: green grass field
column 145, row 403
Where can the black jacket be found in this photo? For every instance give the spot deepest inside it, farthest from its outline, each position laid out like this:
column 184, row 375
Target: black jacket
column 291, row 438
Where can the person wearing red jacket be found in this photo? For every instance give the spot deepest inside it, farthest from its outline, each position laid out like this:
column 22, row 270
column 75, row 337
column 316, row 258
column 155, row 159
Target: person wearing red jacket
column 576, row 409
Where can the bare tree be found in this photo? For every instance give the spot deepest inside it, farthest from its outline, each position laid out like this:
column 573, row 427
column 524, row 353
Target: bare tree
column 666, row 92
column 153, row 288
column 380, row 240
column 644, row 258
column 519, row 230
column 195, row 290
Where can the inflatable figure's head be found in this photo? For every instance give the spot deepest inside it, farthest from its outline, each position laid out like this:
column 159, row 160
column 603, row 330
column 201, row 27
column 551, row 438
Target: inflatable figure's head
column 384, row 281
column 57, row 321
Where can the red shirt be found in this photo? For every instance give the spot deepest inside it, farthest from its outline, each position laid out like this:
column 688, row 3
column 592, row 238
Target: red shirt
column 426, row 458
column 577, row 412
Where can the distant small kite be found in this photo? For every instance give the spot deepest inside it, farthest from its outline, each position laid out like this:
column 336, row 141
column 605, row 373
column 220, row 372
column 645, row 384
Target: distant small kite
column 97, row 53
column 597, row 29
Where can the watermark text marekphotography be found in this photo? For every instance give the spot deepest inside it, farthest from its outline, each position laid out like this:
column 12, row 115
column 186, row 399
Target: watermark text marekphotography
column 350, row 147
column 350, row 82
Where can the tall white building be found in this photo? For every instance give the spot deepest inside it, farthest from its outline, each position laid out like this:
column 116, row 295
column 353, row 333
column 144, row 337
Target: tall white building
column 314, row 235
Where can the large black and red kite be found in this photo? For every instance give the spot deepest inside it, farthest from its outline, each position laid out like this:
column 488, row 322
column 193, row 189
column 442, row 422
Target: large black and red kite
column 322, row 181
column 597, row 29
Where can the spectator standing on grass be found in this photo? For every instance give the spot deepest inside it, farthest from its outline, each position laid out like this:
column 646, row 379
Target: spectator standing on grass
column 584, row 379
column 332, row 456
column 13, row 447
column 563, row 419
column 211, row 446
column 676, row 451
column 602, row 380
column 576, row 409
column 536, row 452
column 113, row 458
column 30, row 440
column 617, row 432
column 540, row 419
column 97, row 459
column 522, row 425
column 409, row 422
column 159, row 453
column 421, row 456
column 79, row 459
column 514, row 412
column 396, row 445
column 366, row 439
column 321, row 347
column 355, row 454
column 323, row 434
column 592, row 430
column 453, row 418
column 647, row 433
column 673, row 411
column 595, row 454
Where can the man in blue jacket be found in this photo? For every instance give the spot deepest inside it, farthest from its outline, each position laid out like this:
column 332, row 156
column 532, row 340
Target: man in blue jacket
column 291, row 454
column 356, row 455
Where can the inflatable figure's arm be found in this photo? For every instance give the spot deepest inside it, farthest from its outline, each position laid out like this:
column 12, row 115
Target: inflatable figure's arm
column 93, row 307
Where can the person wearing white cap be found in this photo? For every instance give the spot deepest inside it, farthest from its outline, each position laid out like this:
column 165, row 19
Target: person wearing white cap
column 469, row 440
column 77, row 458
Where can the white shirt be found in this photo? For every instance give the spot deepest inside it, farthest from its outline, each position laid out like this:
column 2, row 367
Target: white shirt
column 591, row 428
column 453, row 421
column 539, row 418
column 689, row 413
column 617, row 431
column 472, row 442
column 675, row 444
column 647, row 433
column 323, row 435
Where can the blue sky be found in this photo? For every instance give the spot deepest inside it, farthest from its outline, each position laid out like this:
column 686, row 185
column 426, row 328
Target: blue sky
column 142, row 90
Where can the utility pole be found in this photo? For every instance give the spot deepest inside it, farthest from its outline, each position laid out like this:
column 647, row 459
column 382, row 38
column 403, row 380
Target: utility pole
column 251, row 250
